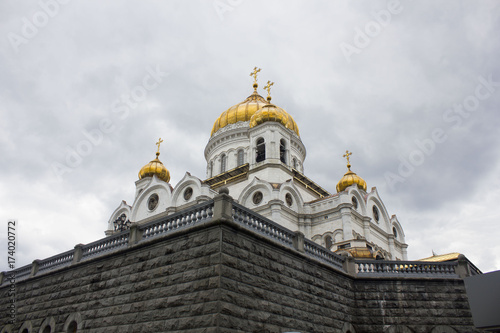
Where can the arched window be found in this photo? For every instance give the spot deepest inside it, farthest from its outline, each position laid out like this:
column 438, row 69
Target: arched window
column 328, row 242
column 241, row 154
column 294, row 163
column 26, row 331
column 223, row 163
column 283, row 151
column 211, row 169
column 261, row 150
column 47, row 329
column 72, row 328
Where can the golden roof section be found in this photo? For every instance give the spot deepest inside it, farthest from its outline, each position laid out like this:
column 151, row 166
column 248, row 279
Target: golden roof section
column 271, row 112
column 242, row 111
column 350, row 178
column 442, row 257
column 155, row 167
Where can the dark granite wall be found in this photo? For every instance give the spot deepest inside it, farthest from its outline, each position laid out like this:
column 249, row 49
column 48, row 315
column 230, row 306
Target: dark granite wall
column 221, row 278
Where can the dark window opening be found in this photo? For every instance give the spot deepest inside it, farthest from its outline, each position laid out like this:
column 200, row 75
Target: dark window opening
column 240, row 157
column 375, row 213
column 261, row 150
column 223, row 163
column 283, row 151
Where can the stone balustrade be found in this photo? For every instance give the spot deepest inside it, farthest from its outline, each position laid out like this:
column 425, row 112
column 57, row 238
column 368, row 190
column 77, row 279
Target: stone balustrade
column 386, row 268
column 262, row 225
column 223, row 208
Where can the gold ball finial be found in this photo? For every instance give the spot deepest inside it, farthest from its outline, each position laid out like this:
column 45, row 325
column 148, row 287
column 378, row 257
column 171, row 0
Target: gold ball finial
column 268, row 88
column 254, row 74
column 346, row 155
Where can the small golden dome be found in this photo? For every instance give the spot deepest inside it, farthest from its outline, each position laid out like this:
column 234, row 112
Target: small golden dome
column 350, row 178
column 155, row 167
column 240, row 112
column 271, row 112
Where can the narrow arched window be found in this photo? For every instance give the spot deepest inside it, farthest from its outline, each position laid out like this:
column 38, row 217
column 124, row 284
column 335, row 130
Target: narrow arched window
column 261, row 150
column 328, row 242
column 240, row 157
column 47, row 329
column 211, row 169
column 294, row 163
column 223, row 163
column 283, row 151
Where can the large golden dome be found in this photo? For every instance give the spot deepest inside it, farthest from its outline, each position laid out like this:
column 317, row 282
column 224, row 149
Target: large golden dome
column 240, row 112
column 155, row 167
column 271, row 112
column 350, row 178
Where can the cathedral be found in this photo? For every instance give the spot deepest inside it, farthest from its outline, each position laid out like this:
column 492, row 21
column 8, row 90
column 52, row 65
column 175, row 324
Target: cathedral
column 256, row 152
column 253, row 246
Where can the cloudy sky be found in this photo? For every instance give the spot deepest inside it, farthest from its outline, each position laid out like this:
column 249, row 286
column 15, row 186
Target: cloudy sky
column 412, row 88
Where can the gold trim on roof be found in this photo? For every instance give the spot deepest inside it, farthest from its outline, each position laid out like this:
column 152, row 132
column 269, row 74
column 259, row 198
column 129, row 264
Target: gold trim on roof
column 442, row 257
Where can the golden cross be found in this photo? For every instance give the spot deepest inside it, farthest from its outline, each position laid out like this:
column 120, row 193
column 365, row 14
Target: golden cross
column 346, row 155
column 158, row 144
column 254, row 74
column 268, row 87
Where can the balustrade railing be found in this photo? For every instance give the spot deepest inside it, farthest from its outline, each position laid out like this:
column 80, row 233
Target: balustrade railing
column 104, row 245
column 385, row 268
column 319, row 252
column 196, row 214
column 245, row 218
column 262, row 225
column 60, row 260
column 22, row 273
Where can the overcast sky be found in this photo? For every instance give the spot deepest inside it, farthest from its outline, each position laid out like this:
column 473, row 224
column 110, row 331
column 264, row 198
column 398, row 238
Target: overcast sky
column 411, row 88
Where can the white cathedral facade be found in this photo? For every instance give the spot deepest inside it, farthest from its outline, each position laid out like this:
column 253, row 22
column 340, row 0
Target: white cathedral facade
column 255, row 151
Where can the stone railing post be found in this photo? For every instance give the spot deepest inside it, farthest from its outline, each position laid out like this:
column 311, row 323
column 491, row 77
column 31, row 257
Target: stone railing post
column 34, row 267
column 349, row 264
column 135, row 234
column 462, row 269
column 223, row 206
column 78, row 254
column 298, row 241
